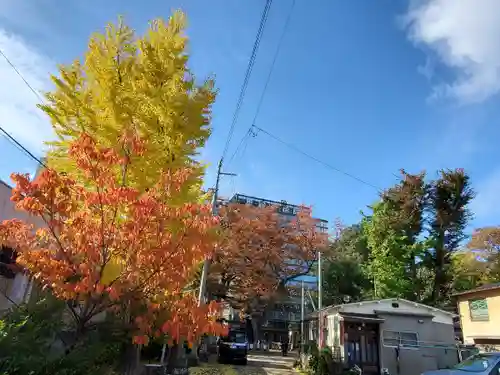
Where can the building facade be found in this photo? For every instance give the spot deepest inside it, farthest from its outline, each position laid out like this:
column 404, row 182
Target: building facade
column 479, row 311
column 284, row 208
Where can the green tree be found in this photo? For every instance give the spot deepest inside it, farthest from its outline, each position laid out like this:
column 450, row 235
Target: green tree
column 389, row 258
column 393, row 233
column 469, row 270
column 344, row 280
column 351, row 243
column 344, row 276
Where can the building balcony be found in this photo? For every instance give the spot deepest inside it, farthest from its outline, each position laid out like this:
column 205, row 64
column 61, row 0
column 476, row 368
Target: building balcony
column 282, row 316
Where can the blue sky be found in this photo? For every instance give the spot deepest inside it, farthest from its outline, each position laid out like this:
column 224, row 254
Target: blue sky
column 367, row 86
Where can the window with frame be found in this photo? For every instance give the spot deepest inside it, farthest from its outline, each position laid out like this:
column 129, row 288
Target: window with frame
column 478, row 309
column 399, row 339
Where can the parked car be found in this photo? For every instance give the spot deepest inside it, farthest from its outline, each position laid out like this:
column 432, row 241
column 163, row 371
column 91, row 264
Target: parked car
column 232, row 348
column 478, row 364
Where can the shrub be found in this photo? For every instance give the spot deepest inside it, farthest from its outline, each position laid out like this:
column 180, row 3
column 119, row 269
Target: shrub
column 33, row 340
column 322, row 362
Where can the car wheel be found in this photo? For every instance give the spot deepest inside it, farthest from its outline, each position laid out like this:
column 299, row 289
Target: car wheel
column 244, row 362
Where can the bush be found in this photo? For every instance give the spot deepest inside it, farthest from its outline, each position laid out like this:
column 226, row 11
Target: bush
column 33, row 340
column 322, row 362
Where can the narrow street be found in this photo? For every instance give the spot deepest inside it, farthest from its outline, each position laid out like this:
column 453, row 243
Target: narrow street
column 262, row 363
column 270, row 363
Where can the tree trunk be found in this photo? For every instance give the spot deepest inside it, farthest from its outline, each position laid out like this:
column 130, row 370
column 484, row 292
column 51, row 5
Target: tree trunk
column 439, row 269
column 176, row 359
column 130, row 359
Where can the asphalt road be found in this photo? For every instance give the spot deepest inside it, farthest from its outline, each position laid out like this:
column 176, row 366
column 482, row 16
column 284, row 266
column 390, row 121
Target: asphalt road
column 267, row 363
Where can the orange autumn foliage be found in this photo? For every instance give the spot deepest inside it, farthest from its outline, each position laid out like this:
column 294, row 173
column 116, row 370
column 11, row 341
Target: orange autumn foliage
column 262, row 250
column 109, row 247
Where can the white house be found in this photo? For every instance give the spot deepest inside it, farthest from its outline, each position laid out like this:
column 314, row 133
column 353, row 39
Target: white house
column 405, row 337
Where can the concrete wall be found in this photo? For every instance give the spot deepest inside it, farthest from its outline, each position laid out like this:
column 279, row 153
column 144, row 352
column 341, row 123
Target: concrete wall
column 414, row 361
column 480, row 329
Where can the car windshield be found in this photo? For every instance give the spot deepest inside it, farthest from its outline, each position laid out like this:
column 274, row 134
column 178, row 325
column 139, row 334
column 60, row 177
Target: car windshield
column 476, row 363
column 237, row 337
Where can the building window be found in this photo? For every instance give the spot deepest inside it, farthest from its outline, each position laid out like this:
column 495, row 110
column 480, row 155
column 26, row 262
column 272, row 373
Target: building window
column 7, row 262
column 478, row 310
column 408, row 340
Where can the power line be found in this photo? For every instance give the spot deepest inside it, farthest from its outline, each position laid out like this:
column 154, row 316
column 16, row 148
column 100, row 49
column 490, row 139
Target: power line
column 19, row 145
column 21, row 76
column 243, row 142
column 250, row 132
column 276, row 54
column 329, row 166
column 257, row 112
column 3, row 131
column 248, row 73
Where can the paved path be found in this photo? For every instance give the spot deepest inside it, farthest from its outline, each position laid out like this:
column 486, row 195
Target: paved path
column 267, row 363
column 259, row 363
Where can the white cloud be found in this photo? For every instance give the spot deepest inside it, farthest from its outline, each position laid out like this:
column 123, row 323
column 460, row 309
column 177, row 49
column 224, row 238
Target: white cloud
column 486, row 205
column 18, row 112
column 465, row 35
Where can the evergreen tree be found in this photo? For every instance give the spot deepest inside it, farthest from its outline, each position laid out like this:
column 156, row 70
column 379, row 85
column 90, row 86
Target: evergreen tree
column 449, row 197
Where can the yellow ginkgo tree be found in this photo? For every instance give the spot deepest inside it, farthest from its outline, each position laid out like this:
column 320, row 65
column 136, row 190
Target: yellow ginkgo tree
column 129, row 84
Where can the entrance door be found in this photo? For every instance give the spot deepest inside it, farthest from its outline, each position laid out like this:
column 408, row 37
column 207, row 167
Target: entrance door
column 361, row 346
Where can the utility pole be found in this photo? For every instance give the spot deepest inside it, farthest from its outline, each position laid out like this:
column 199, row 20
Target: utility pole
column 320, row 301
column 302, row 308
column 206, row 263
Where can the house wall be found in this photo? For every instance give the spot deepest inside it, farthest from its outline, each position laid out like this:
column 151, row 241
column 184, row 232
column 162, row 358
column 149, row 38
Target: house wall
column 19, row 287
column 473, row 331
column 414, row 361
column 8, row 209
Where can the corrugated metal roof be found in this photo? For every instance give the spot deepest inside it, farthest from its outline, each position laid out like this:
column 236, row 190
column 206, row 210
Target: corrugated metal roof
column 480, row 289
